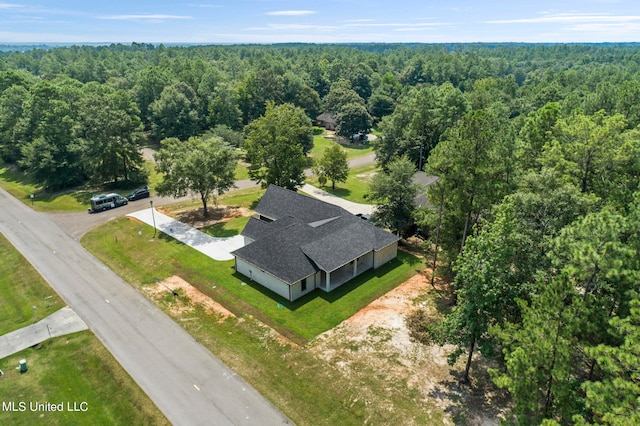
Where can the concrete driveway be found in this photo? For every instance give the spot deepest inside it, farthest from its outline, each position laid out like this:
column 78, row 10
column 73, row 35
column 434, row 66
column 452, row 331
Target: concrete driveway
column 349, row 206
column 59, row 323
column 215, row 248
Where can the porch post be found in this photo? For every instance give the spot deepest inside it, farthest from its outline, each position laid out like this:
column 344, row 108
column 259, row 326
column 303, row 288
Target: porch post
column 328, row 283
column 355, row 267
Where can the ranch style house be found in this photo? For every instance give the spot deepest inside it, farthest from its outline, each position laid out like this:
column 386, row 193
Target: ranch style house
column 296, row 244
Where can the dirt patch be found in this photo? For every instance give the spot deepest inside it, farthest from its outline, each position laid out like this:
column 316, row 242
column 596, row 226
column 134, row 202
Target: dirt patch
column 378, row 336
column 188, row 297
column 366, row 177
column 375, row 344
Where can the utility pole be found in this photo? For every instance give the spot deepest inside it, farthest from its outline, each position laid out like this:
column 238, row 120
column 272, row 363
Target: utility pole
column 153, row 218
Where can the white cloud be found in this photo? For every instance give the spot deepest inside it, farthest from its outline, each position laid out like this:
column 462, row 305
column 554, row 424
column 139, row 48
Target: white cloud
column 295, row 27
column 207, row 6
column 292, row 12
column 144, row 17
column 570, row 19
column 414, row 26
column 10, row 6
column 620, row 28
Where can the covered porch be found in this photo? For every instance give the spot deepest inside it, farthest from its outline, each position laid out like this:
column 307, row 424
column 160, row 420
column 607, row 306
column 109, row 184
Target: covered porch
column 334, row 279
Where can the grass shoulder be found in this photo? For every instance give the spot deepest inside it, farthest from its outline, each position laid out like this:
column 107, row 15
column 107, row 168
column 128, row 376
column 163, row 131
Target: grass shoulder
column 72, row 368
column 26, row 297
column 78, row 372
column 77, row 199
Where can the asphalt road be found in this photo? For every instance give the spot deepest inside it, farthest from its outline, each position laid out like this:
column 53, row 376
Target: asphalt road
column 77, row 224
column 187, row 383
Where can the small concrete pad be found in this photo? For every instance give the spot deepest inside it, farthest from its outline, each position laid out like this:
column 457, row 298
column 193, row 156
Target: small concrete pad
column 64, row 321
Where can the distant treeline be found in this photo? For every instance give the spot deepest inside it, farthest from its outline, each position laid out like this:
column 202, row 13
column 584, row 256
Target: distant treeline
column 182, row 91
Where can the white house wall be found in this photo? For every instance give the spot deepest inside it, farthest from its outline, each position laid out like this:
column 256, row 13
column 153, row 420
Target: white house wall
column 262, row 277
column 312, row 282
column 384, row 255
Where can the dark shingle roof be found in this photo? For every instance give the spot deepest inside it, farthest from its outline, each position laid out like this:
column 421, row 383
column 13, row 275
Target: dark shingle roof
column 306, row 235
column 280, row 253
column 278, row 202
column 424, row 181
column 338, row 248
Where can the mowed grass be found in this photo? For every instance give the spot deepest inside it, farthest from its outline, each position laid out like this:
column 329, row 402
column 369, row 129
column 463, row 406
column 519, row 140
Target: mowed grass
column 22, row 289
column 22, row 186
column 227, row 228
column 242, row 170
column 74, row 369
column 321, row 142
column 127, row 246
column 356, row 188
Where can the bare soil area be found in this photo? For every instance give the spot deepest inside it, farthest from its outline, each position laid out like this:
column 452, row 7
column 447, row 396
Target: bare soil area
column 378, row 335
column 188, row 297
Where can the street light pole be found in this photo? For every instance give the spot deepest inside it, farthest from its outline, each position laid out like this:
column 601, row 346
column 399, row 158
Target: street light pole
column 154, row 219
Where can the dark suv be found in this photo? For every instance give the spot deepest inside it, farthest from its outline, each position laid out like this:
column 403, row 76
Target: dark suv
column 139, row 194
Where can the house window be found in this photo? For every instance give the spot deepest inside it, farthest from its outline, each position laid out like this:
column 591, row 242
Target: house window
column 303, row 284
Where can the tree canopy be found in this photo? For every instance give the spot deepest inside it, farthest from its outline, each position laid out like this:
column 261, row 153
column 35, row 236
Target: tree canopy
column 332, row 166
column 276, row 144
column 201, row 166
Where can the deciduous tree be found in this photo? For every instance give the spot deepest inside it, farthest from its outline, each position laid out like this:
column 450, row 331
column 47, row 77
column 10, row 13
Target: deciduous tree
column 352, row 119
column 333, row 165
column 276, row 144
column 202, row 166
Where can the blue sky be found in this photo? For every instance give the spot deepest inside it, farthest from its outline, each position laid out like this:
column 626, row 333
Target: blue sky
column 326, row 21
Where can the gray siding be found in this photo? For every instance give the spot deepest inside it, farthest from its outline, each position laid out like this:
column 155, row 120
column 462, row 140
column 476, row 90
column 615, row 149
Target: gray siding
column 296, row 288
column 263, row 277
column 384, row 255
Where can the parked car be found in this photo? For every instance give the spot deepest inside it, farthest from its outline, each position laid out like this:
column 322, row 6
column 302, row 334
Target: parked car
column 104, row 202
column 364, row 216
column 139, row 194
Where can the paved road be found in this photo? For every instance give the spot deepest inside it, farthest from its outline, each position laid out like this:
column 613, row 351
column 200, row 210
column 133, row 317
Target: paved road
column 187, row 383
column 350, row 206
column 77, row 224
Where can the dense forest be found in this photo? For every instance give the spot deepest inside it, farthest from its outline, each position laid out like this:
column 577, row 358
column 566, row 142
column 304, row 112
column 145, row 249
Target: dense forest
column 535, row 216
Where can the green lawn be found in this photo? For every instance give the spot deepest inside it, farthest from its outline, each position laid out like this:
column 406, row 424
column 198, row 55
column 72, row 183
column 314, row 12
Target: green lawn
column 356, row 188
column 140, row 259
column 72, row 368
column 76, row 370
column 22, row 187
column 242, row 171
column 294, row 378
column 228, row 228
column 321, row 143
column 22, row 288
